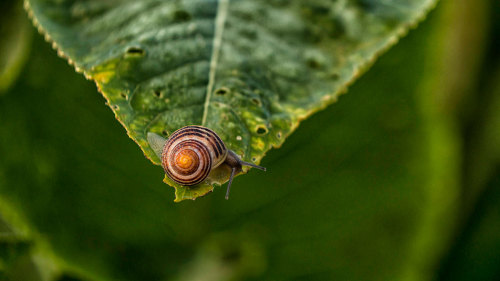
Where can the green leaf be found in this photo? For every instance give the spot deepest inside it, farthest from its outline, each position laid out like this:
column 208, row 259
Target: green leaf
column 249, row 70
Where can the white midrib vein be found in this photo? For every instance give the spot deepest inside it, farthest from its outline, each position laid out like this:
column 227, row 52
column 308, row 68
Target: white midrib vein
column 220, row 20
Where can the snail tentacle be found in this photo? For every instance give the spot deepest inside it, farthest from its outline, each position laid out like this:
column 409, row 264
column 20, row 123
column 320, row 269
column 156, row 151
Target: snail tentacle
column 253, row 165
column 234, row 161
column 233, row 171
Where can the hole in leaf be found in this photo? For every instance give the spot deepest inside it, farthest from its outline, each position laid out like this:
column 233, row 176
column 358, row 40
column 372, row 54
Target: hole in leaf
column 123, row 95
column 318, row 9
column 256, row 101
column 233, row 255
column 222, row 91
column 164, row 132
column 278, row 135
column 313, row 63
column 157, row 93
column 135, row 51
column 115, row 107
column 254, row 159
column 249, row 33
column 181, row 16
column 261, row 130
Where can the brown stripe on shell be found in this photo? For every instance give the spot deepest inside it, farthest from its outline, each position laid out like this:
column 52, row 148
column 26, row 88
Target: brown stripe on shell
column 218, row 142
column 216, row 147
column 211, row 135
column 203, row 135
column 195, row 174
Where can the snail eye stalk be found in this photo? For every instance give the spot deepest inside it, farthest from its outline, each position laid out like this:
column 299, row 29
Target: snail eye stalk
column 236, row 163
column 233, row 171
column 243, row 163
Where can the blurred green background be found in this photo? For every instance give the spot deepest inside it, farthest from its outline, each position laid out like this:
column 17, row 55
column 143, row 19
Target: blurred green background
column 398, row 180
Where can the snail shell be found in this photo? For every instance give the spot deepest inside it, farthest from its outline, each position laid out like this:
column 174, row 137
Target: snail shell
column 192, row 152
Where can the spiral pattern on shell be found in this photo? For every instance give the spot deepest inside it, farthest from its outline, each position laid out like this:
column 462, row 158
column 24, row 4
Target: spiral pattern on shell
column 190, row 153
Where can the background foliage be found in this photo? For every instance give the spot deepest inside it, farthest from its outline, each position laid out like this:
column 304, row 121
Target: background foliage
column 399, row 180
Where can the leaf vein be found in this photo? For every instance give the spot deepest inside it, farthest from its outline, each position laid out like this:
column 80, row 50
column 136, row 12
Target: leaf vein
column 219, row 28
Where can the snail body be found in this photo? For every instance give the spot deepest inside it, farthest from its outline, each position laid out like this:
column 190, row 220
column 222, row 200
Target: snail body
column 192, row 152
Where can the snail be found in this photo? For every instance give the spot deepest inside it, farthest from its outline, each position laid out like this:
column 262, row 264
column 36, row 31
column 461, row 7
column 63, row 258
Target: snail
column 192, row 152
